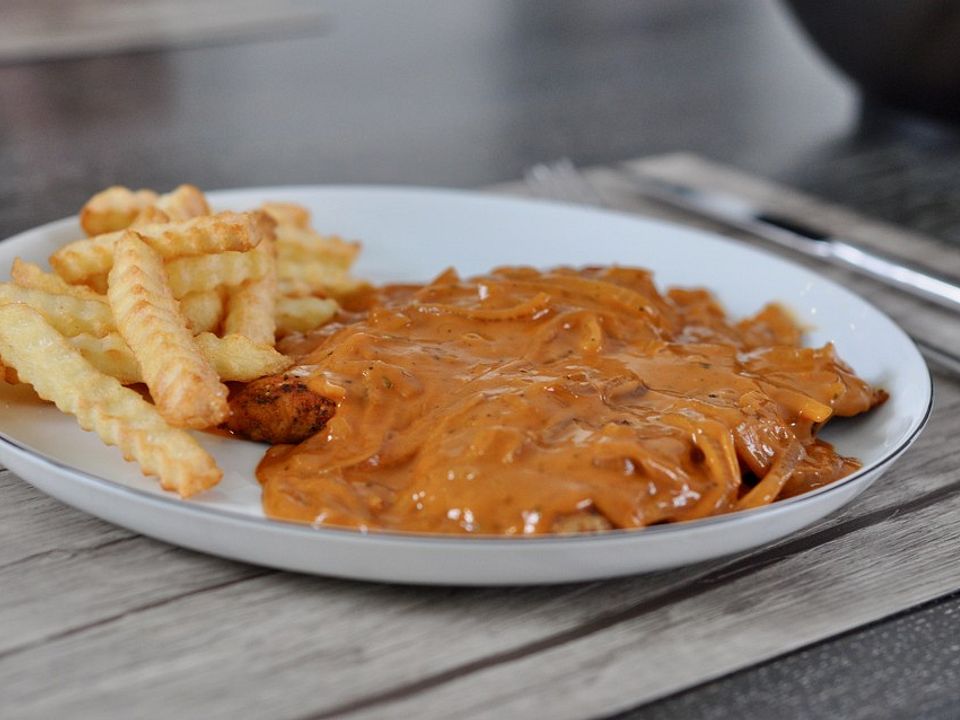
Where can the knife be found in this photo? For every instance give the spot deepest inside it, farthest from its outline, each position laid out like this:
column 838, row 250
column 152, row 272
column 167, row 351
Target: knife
column 803, row 238
column 740, row 214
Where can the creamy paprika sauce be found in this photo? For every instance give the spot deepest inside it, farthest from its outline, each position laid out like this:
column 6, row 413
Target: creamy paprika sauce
column 527, row 402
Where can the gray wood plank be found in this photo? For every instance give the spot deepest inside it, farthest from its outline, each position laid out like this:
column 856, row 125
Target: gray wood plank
column 33, row 525
column 59, row 593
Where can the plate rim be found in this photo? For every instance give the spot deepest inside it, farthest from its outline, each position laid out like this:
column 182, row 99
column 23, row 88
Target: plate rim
column 166, row 500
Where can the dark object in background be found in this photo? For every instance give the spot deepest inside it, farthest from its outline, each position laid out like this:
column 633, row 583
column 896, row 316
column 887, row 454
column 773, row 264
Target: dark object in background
column 904, row 53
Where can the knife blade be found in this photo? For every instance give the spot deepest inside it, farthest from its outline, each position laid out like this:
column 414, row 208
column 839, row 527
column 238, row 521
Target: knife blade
column 798, row 236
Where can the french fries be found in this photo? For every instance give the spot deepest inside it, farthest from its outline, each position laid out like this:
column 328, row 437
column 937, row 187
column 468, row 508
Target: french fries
column 308, row 263
column 183, row 203
column 69, row 315
column 301, row 281
column 110, row 355
column 30, row 275
column 165, row 293
column 84, row 259
column 251, row 306
column 151, row 215
column 235, row 357
column 239, row 358
column 114, row 209
column 289, row 214
column 182, row 382
column 296, row 245
column 118, row 415
column 207, row 272
column 300, row 314
column 203, row 310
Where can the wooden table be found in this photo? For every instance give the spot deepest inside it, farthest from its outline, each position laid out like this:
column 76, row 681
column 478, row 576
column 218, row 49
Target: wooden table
column 96, row 621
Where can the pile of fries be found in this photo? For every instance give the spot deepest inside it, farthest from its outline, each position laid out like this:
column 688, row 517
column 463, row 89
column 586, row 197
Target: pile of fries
column 166, row 293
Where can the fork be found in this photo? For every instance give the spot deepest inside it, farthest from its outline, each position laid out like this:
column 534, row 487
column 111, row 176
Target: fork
column 561, row 180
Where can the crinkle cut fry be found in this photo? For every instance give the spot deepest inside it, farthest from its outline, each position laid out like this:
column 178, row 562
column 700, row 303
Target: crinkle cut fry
column 58, row 373
column 183, row 203
column 182, row 382
column 252, row 306
column 30, row 275
column 296, row 245
column 114, row 209
column 290, row 214
column 234, row 357
column 239, row 358
column 316, row 279
column 149, row 216
column 203, row 310
column 67, row 314
column 110, row 355
column 207, row 272
column 301, row 314
column 79, row 261
column 117, row 207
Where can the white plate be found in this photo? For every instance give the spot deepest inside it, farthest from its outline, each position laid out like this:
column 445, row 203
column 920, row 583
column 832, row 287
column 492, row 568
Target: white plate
column 411, row 234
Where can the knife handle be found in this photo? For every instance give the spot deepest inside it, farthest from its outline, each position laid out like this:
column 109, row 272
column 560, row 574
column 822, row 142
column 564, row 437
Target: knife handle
column 913, row 281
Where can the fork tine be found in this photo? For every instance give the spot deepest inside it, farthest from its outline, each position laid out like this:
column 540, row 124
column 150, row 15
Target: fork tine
column 541, row 181
column 561, row 180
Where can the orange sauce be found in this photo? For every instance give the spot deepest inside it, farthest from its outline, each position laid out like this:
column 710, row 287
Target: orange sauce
column 527, row 402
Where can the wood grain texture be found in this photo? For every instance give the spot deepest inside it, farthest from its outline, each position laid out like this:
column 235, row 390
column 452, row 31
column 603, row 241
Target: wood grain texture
column 915, row 676
column 120, row 620
column 63, row 593
column 33, row 525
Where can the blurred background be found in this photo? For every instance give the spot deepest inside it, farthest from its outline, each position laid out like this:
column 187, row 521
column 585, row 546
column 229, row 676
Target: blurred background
column 227, row 93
